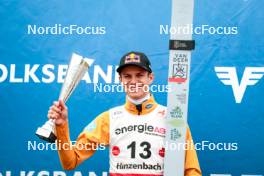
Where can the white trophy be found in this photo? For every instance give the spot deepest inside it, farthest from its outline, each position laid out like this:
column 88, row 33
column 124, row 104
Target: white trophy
column 76, row 70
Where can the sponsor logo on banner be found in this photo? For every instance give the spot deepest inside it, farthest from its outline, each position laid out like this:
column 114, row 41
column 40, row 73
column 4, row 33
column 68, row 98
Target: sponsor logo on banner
column 228, row 76
column 179, row 68
column 93, row 173
column 50, row 73
column 231, row 175
column 50, row 173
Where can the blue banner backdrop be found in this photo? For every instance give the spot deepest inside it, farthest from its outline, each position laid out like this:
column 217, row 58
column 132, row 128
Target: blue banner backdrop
column 34, row 50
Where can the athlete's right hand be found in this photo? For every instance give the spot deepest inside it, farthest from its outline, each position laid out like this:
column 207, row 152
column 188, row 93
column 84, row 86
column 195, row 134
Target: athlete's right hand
column 59, row 112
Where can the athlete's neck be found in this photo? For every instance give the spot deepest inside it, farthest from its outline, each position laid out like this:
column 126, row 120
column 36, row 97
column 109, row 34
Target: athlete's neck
column 138, row 101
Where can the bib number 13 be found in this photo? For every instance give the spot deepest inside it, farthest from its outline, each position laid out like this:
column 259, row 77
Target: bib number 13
column 146, row 149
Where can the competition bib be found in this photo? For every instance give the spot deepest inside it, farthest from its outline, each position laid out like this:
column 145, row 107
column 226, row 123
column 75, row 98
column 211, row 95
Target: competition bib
column 137, row 142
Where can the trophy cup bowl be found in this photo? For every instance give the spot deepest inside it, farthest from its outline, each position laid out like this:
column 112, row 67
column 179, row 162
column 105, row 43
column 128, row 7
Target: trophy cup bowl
column 76, row 70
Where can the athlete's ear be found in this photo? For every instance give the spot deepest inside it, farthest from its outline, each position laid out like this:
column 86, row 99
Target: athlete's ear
column 120, row 78
column 150, row 77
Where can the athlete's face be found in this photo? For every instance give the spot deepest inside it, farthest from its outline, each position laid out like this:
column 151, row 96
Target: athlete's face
column 136, row 81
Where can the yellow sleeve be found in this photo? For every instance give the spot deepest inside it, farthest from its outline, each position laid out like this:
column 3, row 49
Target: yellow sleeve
column 192, row 167
column 97, row 132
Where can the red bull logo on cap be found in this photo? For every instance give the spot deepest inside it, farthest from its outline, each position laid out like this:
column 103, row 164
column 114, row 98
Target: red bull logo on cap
column 132, row 58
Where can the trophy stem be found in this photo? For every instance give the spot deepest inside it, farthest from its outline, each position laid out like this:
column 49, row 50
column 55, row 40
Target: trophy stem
column 47, row 131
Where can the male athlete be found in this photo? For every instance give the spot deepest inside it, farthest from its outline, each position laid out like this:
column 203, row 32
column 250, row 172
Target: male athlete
column 134, row 132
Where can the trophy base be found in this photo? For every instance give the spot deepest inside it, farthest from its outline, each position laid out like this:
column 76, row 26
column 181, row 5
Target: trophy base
column 46, row 132
column 46, row 135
